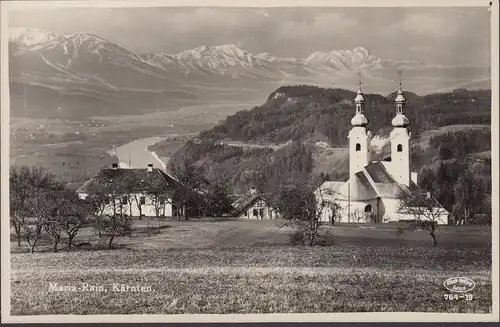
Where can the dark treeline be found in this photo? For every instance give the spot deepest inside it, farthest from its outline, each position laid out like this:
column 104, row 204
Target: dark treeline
column 263, row 168
column 457, row 168
column 461, row 143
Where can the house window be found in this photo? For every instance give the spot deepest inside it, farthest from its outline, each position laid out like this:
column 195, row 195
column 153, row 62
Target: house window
column 255, row 212
column 124, row 200
column 358, row 147
column 143, row 200
column 368, row 208
column 400, row 148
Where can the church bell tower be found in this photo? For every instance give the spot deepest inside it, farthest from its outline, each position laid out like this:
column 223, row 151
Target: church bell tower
column 400, row 141
column 359, row 137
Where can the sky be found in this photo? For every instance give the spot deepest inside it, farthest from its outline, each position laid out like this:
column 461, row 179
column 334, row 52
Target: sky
column 444, row 35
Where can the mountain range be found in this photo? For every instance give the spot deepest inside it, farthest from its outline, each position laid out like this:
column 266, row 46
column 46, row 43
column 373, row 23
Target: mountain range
column 52, row 74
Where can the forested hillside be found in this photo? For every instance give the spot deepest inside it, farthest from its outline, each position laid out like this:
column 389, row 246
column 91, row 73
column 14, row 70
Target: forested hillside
column 306, row 115
column 309, row 112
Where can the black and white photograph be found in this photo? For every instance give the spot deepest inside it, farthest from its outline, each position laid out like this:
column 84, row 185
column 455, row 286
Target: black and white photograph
column 252, row 161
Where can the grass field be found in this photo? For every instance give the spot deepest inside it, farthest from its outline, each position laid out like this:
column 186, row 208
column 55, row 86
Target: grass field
column 247, row 267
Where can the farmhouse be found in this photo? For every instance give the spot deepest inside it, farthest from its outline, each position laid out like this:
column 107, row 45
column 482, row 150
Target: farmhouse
column 253, row 205
column 134, row 192
column 375, row 189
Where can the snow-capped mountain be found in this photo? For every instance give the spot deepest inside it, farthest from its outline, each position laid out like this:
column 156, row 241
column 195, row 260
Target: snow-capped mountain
column 226, row 59
column 89, row 65
column 269, row 57
column 356, row 59
column 30, row 36
column 80, row 58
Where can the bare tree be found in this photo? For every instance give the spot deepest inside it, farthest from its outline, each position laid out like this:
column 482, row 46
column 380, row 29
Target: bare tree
column 31, row 191
column 300, row 208
column 97, row 200
column 425, row 211
column 188, row 194
column 469, row 196
column 217, row 201
column 78, row 214
column 107, row 198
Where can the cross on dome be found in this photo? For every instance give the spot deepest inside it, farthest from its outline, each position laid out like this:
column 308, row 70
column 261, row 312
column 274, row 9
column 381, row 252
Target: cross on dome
column 359, row 118
column 400, row 97
column 359, row 97
column 400, row 120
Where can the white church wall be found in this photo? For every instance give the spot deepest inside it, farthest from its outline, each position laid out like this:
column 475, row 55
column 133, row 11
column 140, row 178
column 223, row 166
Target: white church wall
column 392, row 213
column 391, row 210
column 352, row 211
column 359, row 157
column 400, row 156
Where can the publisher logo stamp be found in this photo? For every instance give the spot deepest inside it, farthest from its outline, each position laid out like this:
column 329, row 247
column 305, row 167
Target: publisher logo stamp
column 459, row 288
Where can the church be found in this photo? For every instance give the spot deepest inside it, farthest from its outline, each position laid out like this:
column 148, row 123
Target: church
column 374, row 190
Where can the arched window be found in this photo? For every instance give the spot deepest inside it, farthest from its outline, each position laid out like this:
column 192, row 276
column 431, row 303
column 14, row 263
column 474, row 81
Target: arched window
column 368, row 208
column 358, row 147
column 400, row 148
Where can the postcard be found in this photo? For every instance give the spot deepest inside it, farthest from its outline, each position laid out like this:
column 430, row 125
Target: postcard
column 250, row 161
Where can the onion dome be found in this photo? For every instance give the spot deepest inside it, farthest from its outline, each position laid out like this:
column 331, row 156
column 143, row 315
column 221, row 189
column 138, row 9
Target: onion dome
column 400, row 121
column 359, row 120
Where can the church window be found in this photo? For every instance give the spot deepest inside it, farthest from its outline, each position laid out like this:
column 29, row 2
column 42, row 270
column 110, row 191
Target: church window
column 358, row 147
column 400, row 148
column 368, row 208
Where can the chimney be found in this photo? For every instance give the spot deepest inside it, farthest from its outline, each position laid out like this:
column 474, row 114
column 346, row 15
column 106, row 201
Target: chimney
column 114, row 166
column 150, row 167
column 253, row 190
column 428, row 195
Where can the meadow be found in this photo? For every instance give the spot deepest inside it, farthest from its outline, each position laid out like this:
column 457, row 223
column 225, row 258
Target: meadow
column 229, row 266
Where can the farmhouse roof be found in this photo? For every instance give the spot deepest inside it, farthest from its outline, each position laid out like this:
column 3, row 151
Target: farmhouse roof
column 142, row 179
column 246, row 200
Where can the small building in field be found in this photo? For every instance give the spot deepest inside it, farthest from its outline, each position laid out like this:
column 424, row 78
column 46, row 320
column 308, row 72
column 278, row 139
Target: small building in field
column 253, row 205
column 375, row 189
column 146, row 192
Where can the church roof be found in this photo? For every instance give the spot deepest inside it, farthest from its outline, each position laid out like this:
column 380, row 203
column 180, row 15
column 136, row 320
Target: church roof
column 371, row 183
column 378, row 173
column 390, row 190
column 357, row 188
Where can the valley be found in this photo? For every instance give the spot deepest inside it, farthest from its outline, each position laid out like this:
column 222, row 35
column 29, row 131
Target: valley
column 75, row 150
